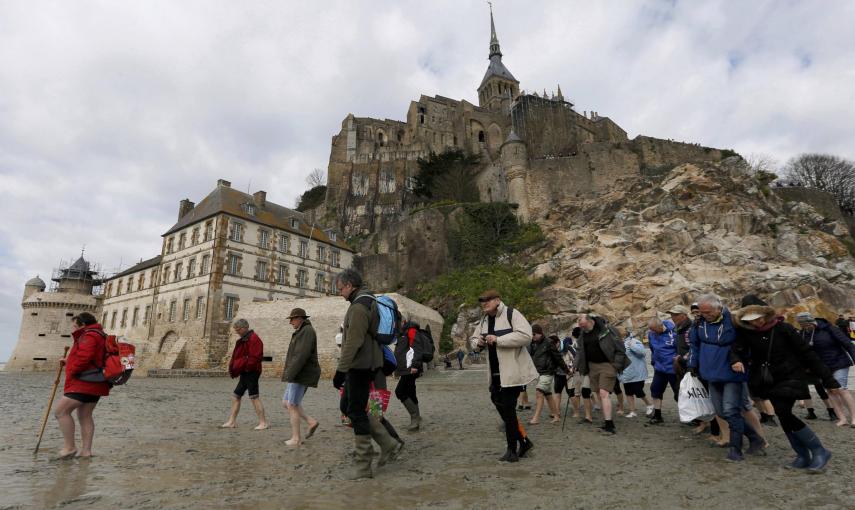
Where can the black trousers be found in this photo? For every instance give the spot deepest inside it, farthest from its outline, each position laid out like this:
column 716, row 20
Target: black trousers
column 820, row 391
column 784, row 411
column 356, row 393
column 406, row 388
column 505, row 400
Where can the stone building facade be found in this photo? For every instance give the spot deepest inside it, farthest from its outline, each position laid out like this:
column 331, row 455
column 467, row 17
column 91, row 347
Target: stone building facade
column 229, row 250
column 46, row 315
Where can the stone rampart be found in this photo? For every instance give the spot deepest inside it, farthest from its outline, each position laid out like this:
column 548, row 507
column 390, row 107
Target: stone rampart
column 822, row 201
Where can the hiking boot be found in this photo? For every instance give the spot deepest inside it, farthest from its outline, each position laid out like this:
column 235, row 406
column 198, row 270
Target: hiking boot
column 608, row 429
column 363, row 453
column 525, row 446
column 734, row 454
column 802, row 459
column 811, row 414
column 756, row 447
column 655, row 420
column 509, row 456
column 832, row 415
column 389, row 448
column 415, row 416
column 819, row 455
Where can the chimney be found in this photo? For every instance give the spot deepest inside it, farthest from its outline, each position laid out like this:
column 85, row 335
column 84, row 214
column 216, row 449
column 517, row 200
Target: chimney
column 184, row 207
column 259, row 197
column 224, row 183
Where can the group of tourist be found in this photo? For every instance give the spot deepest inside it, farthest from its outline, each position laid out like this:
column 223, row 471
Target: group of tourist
column 739, row 356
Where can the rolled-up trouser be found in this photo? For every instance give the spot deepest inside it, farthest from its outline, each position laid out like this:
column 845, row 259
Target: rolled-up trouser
column 505, row 400
column 730, row 399
column 356, row 391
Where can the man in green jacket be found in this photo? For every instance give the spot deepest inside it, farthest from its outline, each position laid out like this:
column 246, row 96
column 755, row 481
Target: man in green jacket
column 361, row 357
column 302, row 371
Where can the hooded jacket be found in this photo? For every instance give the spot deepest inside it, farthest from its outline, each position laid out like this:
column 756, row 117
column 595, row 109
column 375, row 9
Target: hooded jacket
column 87, row 353
column 547, row 360
column 515, row 365
column 710, row 349
column 610, row 343
column 788, row 356
column 406, row 342
column 247, row 355
column 637, row 354
column 301, row 362
column 359, row 349
column 663, row 348
column 833, row 347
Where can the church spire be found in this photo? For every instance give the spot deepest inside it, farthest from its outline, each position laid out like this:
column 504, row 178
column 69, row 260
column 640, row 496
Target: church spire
column 494, row 41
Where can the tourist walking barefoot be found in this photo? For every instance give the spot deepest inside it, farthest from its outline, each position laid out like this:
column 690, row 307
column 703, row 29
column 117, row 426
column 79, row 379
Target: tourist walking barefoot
column 635, row 374
column 546, row 360
column 302, row 371
column 837, row 352
column 87, row 353
column 663, row 348
column 245, row 365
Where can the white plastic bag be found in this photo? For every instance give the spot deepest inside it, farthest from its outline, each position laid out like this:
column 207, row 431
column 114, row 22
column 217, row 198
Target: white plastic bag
column 694, row 402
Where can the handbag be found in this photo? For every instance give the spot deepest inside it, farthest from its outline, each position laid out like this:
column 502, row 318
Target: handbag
column 766, row 378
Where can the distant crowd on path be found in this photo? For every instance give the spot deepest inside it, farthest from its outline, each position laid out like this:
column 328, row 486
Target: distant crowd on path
column 743, row 358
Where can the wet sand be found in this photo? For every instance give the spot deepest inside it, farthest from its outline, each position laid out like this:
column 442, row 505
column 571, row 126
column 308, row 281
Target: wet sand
column 158, row 445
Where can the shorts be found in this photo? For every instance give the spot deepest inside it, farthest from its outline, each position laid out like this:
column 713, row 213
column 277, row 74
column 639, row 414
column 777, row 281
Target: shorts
column 545, row 384
column 841, row 375
column 294, row 393
column 561, row 384
column 248, row 383
column 634, row 389
column 83, row 397
column 603, row 377
column 580, row 382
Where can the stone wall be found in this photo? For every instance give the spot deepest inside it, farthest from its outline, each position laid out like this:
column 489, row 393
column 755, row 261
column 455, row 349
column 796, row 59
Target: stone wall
column 656, row 153
column 822, row 201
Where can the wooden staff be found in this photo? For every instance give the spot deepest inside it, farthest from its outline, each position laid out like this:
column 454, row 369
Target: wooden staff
column 50, row 402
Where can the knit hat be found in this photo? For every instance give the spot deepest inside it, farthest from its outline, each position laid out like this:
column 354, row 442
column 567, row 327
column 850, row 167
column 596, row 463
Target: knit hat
column 536, row 328
column 804, row 318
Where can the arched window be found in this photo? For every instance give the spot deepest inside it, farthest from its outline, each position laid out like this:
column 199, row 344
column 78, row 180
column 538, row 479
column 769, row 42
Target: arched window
column 481, row 136
column 381, row 139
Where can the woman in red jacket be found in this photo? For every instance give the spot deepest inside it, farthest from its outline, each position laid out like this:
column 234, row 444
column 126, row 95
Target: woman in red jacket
column 86, row 353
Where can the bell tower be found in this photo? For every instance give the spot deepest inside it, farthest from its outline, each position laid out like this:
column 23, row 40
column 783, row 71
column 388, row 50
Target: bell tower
column 499, row 87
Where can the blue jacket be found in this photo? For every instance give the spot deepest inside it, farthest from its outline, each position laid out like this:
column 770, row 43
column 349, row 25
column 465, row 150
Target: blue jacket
column 833, row 347
column 637, row 354
column 663, row 347
column 710, row 349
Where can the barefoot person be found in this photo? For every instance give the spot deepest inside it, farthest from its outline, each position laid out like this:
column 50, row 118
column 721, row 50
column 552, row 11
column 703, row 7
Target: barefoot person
column 246, row 365
column 505, row 333
column 837, row 352
column 302, row 371
column 546, row 360
column 87, row 353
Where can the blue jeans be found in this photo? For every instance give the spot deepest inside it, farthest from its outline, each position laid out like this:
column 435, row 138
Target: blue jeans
column 729, row 400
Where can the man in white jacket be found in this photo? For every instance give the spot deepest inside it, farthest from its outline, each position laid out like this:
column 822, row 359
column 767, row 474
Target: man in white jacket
column 505, row 333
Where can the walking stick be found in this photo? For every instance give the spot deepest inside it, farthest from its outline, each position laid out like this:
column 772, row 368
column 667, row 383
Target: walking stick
column 50, row 402
column 566, row 407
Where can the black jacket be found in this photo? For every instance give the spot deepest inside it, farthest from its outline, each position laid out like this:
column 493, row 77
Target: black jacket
column 789, row 358
column 403, row 346
column 546, row 357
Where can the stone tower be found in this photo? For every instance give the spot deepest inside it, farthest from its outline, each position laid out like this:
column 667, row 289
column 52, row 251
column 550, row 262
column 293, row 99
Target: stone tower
column 499, row 87
column 33, row 286
column 515, row 165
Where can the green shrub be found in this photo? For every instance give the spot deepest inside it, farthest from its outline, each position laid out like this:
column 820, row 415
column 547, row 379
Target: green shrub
column 312, row 198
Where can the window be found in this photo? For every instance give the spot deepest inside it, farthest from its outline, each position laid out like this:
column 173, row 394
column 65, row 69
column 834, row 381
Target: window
column 124, row 321
column 178, row 274
column 282, row 274
column 113, row 320
column 264, row 238
column 233, row 264
column 334, row 255
column 129, row 285
column 304, row 249
column 109, row 289
column 135, row 316
column 231, row 301
column 206, row 264
column 169, row 244
column 172, row 307
column 332, row 236
column 302, row 278
column 295, row 223
column 481, row 136
column 152, row 279
column 249, row 209
column 261, row 270
column 283, row 243
column 141, row 282
column 191, row 268
column 185, row 311
column 322, row 253
column 200, row 310
column 194, row 239
column 119, row 287
column 165, row 278
column 237, row 232
column 104, row 319
column 209, row 231
column 182, row 241
column 147, row 314
column 319, row 282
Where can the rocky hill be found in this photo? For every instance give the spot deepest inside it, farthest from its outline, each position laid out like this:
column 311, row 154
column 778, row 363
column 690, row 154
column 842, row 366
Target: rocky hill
column 656, row 242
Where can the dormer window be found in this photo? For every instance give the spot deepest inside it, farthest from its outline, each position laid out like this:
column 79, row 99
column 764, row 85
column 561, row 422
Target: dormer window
column 332, row 236
column 249, row 209
column 295, row 223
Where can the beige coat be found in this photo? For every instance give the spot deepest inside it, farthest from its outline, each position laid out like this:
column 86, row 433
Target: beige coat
column 515, row 365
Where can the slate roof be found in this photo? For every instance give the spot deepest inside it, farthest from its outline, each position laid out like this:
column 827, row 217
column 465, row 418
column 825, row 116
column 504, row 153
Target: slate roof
column 145, row 264
column 497, row 68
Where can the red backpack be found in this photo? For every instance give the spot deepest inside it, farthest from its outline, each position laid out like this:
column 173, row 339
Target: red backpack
column 118, row 366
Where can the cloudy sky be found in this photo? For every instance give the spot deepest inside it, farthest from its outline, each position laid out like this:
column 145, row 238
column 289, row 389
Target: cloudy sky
column 111, row 112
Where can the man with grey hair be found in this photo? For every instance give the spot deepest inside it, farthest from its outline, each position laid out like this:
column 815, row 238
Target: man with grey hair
column 711, row 340
column 361, row 357
column 246, row 365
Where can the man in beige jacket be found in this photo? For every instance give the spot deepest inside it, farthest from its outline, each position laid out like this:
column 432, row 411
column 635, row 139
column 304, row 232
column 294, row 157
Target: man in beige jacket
column 505, row 333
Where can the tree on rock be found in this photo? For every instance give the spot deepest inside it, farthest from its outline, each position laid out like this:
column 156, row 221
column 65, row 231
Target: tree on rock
column 825, row 172
column 449, row 175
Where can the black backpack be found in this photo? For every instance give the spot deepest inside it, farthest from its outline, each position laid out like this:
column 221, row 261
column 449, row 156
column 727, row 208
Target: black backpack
column 423, row 343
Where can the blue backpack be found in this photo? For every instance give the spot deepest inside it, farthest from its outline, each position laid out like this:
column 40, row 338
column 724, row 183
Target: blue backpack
column 389, row 325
